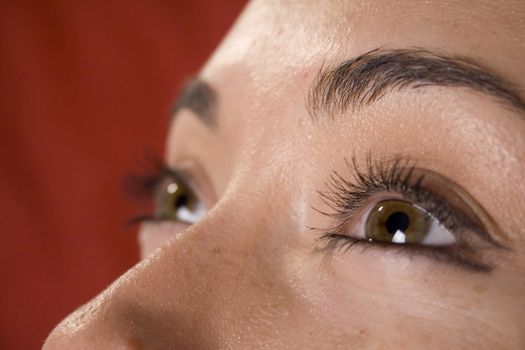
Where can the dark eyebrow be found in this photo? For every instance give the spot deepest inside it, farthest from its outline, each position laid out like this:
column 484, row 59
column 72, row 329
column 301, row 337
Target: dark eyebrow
column 198, row 96
column 365, row 79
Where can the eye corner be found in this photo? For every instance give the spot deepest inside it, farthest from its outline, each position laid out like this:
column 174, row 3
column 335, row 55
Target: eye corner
column 331, row 242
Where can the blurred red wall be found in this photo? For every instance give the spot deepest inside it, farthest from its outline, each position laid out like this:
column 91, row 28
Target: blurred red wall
column 85, row 89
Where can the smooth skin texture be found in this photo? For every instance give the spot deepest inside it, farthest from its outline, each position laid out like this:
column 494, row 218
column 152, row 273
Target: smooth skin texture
column 251, row 273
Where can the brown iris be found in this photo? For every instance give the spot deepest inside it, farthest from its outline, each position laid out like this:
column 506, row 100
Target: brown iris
column 172, row 197
column 397, row 221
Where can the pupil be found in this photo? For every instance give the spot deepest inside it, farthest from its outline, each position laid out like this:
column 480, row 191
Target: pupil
column 397, row 221
column 181, row 201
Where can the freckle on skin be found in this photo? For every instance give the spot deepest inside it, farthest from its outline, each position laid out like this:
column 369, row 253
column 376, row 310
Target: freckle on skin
column 444, row 294
column 467, row 306
column 479, row 289
column 216, row 251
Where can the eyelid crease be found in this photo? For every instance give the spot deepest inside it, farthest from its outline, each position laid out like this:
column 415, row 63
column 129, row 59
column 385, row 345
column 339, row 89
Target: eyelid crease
column 465, row 204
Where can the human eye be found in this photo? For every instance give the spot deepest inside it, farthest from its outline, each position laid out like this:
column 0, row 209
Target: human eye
column 400, row 207
column 174, row 196
column 400, row 221
column 176, row 200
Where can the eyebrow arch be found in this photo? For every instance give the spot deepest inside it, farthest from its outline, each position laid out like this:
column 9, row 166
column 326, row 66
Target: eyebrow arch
column 199, row 97
column 362, row 80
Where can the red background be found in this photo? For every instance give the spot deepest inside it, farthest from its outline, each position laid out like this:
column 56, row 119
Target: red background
column 85, row 89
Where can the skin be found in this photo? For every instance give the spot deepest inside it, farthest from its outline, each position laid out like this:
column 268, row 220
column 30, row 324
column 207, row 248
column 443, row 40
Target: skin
column 251, row 273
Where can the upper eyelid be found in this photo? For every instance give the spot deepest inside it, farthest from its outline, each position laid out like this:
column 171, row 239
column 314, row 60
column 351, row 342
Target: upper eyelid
column 478, row 219
column 466, row 221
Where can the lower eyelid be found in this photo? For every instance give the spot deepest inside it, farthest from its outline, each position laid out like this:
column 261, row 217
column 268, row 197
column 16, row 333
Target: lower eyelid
column 459, row 257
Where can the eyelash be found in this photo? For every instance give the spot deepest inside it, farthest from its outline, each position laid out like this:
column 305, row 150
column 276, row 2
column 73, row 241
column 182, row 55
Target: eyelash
column 346, row 198
column 142, row 184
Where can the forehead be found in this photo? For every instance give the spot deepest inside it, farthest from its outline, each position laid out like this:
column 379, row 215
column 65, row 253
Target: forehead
column 276, row 37
column 266, row 64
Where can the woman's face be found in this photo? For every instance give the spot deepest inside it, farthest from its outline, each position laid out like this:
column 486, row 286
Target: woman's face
column 342, row 175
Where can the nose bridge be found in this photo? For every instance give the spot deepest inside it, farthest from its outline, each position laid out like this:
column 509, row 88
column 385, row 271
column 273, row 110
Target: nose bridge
column 179, row 294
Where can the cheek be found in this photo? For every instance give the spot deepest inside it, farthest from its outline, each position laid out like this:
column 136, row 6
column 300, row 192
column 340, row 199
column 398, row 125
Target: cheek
column 390, row 301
